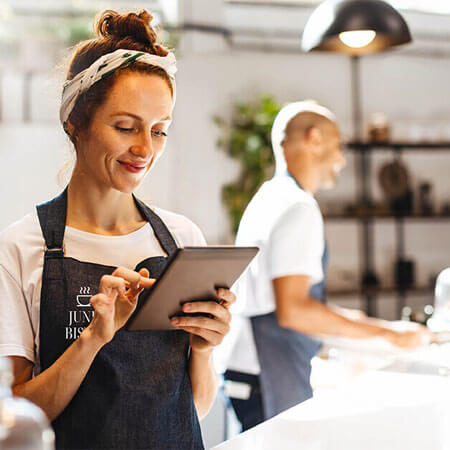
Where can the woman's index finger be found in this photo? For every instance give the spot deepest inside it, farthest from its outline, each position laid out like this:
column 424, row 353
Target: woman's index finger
column 129, row 275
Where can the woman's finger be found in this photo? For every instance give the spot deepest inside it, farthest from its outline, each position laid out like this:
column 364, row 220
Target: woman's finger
column 145, row 281
column 101, row 303
column 132, row 294
column 112, row 286
column 226, row 296
column 136, row 282
column 214, row 308
column 135, row 279
column 201, row 322
column 131, row 276
column 144, row 272
column 210, row 336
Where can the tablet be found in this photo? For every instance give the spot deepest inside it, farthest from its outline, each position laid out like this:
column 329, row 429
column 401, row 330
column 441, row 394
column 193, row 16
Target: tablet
column 191, row 273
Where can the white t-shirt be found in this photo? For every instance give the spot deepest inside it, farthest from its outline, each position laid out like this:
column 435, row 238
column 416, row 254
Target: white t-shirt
column 286, row 224
column 22, row 259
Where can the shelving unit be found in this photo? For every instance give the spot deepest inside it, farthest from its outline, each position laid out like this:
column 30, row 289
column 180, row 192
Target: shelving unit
column 417, row 217
column 368, row 288
column 397, row 146
column 379, row 290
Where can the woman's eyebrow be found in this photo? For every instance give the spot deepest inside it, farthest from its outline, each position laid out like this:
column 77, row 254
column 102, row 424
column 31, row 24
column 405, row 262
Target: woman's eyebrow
column 124, row 113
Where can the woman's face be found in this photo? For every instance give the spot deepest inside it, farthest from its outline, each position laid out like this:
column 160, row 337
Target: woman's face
column 127, row 133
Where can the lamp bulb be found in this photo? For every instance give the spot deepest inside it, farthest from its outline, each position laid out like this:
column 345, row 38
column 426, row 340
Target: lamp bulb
column 358, row 38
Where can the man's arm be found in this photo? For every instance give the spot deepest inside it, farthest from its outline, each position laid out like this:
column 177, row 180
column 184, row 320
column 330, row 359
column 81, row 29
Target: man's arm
column 295, row 309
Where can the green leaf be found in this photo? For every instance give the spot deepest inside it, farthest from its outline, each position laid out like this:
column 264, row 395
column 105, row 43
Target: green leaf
column 246, row 137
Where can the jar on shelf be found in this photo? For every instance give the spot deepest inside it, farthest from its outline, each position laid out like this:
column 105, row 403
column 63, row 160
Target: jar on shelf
column 378, row 129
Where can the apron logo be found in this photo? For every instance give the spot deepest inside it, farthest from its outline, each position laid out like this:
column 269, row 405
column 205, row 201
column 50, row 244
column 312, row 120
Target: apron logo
column 78, row 320
column 83, row 297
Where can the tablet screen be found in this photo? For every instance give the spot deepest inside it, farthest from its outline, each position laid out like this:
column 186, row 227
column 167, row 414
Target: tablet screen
column 192, row 273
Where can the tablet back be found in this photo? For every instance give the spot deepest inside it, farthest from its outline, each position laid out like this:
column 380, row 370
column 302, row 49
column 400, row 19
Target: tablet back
column 193, row 273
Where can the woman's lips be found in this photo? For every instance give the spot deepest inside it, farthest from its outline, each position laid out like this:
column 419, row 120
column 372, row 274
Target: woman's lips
column 131, row 168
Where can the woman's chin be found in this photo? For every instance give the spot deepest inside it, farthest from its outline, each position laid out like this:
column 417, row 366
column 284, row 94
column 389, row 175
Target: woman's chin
column 127, row 187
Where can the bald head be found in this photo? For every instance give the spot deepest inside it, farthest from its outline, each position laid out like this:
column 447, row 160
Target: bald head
column 308, row 110
column 306, row 142
column 300, row 126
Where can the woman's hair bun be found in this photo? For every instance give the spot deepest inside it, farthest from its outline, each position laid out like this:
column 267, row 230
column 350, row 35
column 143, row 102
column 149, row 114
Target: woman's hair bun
column 114, row 25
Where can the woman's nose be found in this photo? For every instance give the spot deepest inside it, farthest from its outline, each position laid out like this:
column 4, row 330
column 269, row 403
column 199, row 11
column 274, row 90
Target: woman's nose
column 143, row 146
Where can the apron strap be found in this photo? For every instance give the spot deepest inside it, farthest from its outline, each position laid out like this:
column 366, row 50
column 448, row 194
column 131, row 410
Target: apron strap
column 319, row 290
column 162, row 233
column 52, row 218
column 53, row 215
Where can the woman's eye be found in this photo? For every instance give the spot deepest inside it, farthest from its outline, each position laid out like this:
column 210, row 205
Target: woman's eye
column 124, row 130
column 159, row 133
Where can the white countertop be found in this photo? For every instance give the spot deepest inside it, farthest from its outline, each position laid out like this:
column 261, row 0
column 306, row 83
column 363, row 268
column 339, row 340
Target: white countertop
column 400, row 405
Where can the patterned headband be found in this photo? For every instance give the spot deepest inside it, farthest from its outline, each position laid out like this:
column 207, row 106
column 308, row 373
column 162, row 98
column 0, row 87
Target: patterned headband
column 103, row 67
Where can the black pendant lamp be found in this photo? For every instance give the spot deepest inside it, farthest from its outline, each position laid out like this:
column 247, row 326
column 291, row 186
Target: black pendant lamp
column 354, row 27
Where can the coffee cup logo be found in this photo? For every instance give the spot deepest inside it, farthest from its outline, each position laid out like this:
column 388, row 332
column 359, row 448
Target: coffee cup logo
column 83, row 298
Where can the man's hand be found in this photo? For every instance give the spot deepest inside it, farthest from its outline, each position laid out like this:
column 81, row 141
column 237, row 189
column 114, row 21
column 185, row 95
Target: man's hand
column 410, row 339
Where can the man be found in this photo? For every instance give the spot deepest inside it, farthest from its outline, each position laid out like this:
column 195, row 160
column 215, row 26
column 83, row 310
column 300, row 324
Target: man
column 282, row 294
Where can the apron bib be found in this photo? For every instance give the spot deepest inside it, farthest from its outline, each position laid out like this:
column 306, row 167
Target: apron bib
column 137, row 392
column 285, row 356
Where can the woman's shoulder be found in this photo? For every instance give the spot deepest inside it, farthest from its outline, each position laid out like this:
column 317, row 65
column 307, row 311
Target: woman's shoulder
column 187, row 233
column 20, row 240
column 22, row 231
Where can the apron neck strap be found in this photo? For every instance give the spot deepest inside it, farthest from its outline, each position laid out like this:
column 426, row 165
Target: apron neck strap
column 162, row 233
column 53, row 217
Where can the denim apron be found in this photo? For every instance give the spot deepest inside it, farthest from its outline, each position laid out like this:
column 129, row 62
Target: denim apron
column 285, row 356
column 137, row 392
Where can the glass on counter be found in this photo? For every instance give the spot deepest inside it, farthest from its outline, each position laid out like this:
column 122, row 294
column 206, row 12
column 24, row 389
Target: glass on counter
column 440, row 321
column 23, row 426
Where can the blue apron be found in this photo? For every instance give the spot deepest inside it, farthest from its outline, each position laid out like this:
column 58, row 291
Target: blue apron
column 285, row 357
column 137, row 392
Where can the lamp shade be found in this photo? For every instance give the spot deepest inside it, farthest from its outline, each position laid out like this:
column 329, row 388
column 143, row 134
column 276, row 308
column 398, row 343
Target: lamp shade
column 354, row 27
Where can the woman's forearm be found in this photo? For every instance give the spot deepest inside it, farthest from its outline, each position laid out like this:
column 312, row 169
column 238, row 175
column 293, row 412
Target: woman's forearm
column 54, row 388
column 116, row 300
column 204, row 381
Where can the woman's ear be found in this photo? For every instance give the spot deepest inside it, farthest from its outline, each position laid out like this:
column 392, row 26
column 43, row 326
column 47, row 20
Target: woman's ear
column 70, row 130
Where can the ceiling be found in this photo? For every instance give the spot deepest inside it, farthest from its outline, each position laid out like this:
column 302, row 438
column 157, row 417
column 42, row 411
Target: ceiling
column 76, row 8
column 272, row 25
column 168, row 11
column 432, row 6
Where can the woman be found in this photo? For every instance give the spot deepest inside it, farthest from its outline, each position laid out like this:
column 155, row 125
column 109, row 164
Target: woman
column 102, row 386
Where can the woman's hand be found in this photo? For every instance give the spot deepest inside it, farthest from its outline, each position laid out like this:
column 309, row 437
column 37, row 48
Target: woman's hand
column 207, row 332
column 116, row 301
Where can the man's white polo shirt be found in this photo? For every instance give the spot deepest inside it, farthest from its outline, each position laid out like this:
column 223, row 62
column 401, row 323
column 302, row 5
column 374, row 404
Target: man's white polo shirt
column 285, row 222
